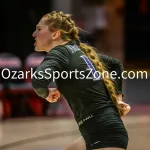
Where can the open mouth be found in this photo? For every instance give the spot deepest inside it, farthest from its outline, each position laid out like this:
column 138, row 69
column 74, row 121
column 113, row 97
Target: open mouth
column 34, row 43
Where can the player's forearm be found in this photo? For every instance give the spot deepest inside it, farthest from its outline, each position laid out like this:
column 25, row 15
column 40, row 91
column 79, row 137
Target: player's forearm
column 40, row 90
column 119, row 97
column 40, row 83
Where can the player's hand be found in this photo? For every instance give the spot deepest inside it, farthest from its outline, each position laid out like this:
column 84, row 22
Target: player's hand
column 125, row 106
column 53, row 96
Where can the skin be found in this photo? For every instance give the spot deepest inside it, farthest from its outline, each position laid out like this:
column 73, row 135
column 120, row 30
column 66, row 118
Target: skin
column 45, row 40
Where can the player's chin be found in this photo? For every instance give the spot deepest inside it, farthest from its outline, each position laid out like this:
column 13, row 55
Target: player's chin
column 38, row 49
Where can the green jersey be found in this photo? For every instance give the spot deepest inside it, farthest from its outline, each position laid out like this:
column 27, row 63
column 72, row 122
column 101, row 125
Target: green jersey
column 76, row 79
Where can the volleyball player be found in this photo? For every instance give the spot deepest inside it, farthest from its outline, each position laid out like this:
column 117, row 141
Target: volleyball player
column 94, row 101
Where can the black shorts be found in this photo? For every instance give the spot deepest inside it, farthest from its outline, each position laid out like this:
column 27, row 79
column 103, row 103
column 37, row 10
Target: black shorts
column 103, row 131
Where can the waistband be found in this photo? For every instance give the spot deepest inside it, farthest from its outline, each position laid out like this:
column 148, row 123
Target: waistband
column 96, row 120
column 98, row 113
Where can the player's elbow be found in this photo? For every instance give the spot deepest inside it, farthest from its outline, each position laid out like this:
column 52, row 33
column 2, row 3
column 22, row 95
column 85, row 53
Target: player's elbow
column 40, row 89
column 119, row 64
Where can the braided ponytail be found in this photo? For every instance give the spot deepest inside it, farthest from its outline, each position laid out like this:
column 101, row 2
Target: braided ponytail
column 90, row 52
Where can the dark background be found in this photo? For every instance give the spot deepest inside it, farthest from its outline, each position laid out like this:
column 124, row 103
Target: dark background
column 18, row 25
column 137, row 31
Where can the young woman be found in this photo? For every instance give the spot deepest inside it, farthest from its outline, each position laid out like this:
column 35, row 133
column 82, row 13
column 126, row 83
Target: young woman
column 94, row 97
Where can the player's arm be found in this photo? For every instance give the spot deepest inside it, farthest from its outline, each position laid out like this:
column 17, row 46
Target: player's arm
column 113, row 64
column 55, row 60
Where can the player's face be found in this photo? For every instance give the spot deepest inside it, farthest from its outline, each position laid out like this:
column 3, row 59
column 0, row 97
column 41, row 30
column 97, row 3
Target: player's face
column 42, row 36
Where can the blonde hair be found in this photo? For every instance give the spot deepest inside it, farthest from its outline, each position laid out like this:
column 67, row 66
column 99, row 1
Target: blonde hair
column 69, row 31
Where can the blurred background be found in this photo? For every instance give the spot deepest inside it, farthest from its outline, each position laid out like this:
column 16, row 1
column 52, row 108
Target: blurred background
column 118, row 28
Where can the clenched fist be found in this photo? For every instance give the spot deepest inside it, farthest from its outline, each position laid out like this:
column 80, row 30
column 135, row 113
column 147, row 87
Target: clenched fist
column 53, row 96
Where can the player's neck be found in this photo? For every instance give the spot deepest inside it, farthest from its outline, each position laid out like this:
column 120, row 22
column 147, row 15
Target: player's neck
column 57, row 43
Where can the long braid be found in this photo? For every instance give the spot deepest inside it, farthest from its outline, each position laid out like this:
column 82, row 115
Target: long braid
column 100, row 67
column 69, row 31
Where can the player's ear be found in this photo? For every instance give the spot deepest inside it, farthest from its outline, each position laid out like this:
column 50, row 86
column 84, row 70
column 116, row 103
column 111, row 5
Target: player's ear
column 56, row 34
